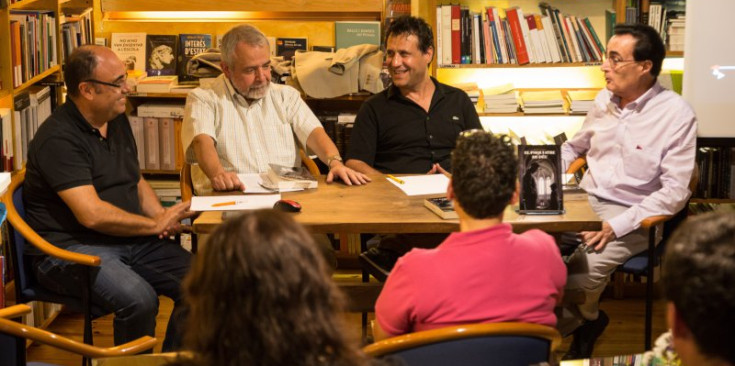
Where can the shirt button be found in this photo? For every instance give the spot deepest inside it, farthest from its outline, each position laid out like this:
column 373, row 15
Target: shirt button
column 428, row 118
column 431, row 137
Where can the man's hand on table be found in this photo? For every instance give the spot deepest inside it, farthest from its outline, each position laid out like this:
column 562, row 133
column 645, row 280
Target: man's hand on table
column 598, row 239
column 347, row 175
column 227, row 181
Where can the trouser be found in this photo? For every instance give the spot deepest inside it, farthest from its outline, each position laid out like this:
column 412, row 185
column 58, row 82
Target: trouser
column 589, row 272
column 127, row 283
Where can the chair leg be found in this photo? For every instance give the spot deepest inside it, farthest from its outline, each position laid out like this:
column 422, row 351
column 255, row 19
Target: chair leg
column 87, row 308
column 649, row 286
column 618, row 285
column 194, row 243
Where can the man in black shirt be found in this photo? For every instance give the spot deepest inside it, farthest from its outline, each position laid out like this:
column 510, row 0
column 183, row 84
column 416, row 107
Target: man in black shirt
column 84, row 193
column 411, row 127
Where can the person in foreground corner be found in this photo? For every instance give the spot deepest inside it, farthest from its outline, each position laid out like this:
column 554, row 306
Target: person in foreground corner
column 84, row 193
column 484, row 273
column 260, row 294
column 639, row 141
column 243, row 122
column 699, row 285
column 410, row 127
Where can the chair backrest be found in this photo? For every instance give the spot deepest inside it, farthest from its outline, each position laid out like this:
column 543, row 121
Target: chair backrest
column 185, row 183
column 23, row 278
column 506, row 344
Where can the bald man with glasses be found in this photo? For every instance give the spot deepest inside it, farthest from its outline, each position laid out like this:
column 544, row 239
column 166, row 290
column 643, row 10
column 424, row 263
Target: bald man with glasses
column 639, row 141
column 84, row 193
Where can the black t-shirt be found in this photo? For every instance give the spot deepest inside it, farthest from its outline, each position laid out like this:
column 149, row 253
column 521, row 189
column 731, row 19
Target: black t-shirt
column 68, row 152
column 393, row 134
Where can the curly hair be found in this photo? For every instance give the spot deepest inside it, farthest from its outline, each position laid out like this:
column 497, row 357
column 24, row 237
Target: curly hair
column 259, row 294
column 699, row 278
column 408, row 25
column 484, row 172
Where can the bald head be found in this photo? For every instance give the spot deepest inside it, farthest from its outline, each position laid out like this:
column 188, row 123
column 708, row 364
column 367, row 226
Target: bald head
column 82, row 63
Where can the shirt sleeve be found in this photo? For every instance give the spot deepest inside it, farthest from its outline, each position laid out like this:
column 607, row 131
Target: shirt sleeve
column 200, row 116
column 677, row 167
column 364, row 138
column 580, row 142
column 395, row 308
column 299, row 115
column 63, row 163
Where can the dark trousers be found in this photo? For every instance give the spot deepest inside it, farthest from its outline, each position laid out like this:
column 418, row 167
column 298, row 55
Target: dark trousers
column 127, row 283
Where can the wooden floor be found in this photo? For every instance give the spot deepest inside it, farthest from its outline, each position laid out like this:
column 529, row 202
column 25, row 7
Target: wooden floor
column 624, row 335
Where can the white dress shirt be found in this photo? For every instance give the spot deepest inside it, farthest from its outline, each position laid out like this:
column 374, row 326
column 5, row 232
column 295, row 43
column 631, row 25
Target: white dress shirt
column 247, row 136
column 641, row 156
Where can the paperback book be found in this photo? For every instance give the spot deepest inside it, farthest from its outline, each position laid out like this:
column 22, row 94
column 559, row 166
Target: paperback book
column 160, row 54
column 540, row 176
column 281, row 177
column 442, row 206
column 287, row 47
column 348, row 34
column 190, row 46
column 130, row 49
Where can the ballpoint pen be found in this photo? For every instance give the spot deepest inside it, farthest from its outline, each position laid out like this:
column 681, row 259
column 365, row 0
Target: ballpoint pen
column 397, row 180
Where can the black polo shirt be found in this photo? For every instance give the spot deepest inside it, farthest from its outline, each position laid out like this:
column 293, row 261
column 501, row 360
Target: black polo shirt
column 393, row 134
column 68, row 152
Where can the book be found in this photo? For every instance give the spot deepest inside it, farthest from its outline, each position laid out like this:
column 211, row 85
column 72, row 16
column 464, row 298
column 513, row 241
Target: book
column 160, row 54
column 348, row 34
column 540, row 177
column 152, row 157
column 281, row 177
column 137, row 125
column 287, row 47
column 161, row 110
column 166, row 153
column 442, row 206
column 190, row 45
column 130, row 49
column 156, row 84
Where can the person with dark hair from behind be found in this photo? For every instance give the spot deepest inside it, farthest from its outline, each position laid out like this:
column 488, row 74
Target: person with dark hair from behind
column 483, row 273
column 409, row 128
column 639, row 140
column 259, row 294
column 699, row 284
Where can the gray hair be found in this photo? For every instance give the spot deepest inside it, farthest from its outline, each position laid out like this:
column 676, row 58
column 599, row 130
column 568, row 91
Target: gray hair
column 241, row 33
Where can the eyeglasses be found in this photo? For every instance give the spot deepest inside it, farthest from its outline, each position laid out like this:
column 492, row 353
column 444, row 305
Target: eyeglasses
column 118, row 84
column 616, row 62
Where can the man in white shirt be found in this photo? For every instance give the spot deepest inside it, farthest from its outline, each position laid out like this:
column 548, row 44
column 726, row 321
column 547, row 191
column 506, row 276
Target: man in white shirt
column 242, row 122
column 639, row 142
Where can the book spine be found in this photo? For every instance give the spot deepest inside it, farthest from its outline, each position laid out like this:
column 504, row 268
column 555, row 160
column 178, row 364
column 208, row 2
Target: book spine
column 517, row 34
column 456, row 35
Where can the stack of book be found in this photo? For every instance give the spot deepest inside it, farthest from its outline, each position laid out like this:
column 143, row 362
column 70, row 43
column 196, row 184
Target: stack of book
column 500, row 99
column 471, row 89
column 543, row 102
column 675, row 34
column 156, row 84
column 581, row 101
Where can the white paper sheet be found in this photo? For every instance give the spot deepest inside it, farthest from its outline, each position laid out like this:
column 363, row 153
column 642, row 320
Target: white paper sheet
column 252, row 185
column 416, row 185
column 240, row 202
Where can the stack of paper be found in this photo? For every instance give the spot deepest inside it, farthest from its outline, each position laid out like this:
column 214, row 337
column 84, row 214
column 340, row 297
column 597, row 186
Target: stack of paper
column 500, row 99
column 581, row 101
column 538, row 102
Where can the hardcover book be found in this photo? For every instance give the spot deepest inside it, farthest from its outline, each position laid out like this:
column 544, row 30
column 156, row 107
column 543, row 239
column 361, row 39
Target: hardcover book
column 160, row 54
column 130, row 49
column 540, row 176
column 191, row 45
column 442, row 206
column 281, row 177
column 347, row 34
column 287, row 47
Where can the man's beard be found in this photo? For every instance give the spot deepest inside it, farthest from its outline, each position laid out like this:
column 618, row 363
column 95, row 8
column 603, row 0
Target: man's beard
column 257, row 93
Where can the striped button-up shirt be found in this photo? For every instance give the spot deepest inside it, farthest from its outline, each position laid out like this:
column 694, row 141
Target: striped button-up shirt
column 247, row 136
column 641, row 155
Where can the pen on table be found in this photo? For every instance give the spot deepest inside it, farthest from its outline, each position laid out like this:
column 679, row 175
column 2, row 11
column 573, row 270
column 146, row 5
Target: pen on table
column 397, row 180
column 220, row 204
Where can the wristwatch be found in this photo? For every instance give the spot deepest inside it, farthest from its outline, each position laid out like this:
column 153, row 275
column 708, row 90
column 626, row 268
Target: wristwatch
column 333, row 158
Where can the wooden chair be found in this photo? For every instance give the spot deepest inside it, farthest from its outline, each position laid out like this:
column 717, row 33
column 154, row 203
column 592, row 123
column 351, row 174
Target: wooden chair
column 13, row 337
column 507, row 344
column 26, row 288
column 643, row 263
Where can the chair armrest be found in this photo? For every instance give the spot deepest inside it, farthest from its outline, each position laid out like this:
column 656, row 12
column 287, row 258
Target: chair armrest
column 14, row 311
column 32, row 237
column 23, row 331
column 652, row 221
column 576, row 165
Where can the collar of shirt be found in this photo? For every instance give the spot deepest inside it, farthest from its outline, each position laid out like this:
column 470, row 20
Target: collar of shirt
column 236, row 96
column 636, row 105
column 82, row 123
column 439, row 92
column 496, row 233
